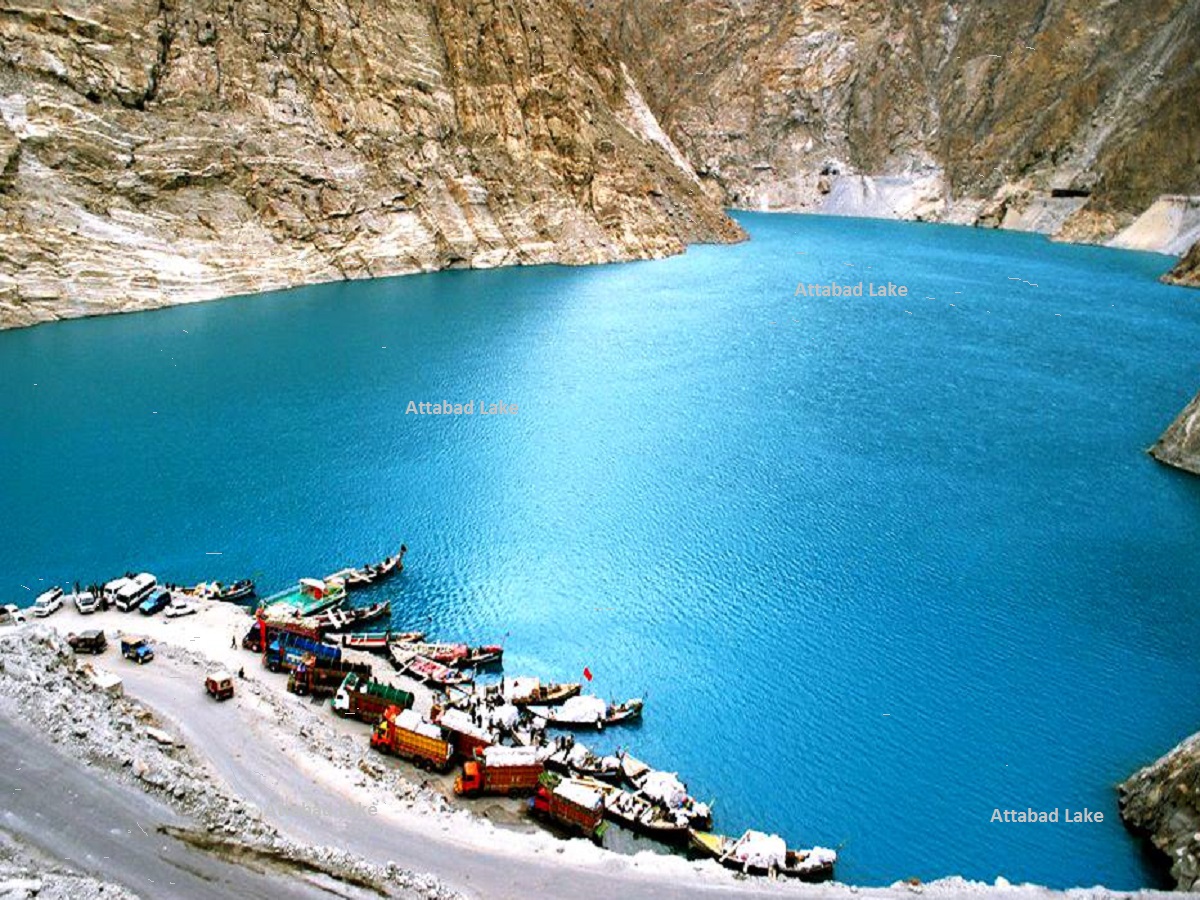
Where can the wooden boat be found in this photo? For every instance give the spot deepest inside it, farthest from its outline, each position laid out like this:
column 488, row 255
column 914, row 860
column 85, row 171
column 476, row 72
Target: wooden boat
column 378, row 640
column 638, row 814
column 214, row 590
column 765, row 854
column 572, row 758
column 666, row 791
column 424, row 669
column 587, row 711
column 371, row 573
column 310, row 597
column 342, row 619
column 391, row 565
column 524, row 691
column 461, row 656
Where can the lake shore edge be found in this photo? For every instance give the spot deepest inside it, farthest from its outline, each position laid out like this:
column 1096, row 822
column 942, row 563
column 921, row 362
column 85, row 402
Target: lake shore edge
column 323, row 755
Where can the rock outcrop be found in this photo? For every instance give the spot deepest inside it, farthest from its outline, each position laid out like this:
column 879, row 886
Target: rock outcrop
column 1068, row 118
column 1187, row 271
column 1180, row 444
column 155, row 153
column 1163, row 802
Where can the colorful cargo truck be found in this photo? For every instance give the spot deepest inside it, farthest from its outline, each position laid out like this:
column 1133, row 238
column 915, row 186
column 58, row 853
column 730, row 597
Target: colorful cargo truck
column 366, row 700
column 404, row 733
column 500, row 770
column 569, row 803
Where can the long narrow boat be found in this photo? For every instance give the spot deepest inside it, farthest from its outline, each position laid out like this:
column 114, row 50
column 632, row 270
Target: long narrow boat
column 461, row 656
column 588, row 711
column 378, row 640
column 765, row 854
column 638, row 814
column 371, row 573
column 342, row 619
column 526, row 691
column 424, row 669
column 214, row 590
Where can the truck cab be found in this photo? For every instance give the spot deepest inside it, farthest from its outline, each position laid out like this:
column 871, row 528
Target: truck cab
column 137, row 649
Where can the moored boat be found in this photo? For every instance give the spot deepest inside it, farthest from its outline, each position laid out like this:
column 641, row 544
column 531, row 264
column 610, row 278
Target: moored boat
column 525, row 691
column 371, row 573
column 378, row 640
column 215, row 590
column 341, row 619
column 587, row 711
column 310, row 597
column 424, row 669
column 460, row 656
column 669, row 793
column 765, row 854
column 572, row 758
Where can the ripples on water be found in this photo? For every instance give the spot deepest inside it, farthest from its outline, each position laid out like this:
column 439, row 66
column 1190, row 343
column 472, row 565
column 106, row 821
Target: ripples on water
column 779, row 533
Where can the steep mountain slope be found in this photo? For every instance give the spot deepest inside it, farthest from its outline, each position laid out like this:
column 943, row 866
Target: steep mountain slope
column 155, row 152
column 1068, row 117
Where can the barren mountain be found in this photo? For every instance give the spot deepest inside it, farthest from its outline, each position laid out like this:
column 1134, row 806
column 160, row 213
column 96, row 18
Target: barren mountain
column 1069, row 118
column 159, row 152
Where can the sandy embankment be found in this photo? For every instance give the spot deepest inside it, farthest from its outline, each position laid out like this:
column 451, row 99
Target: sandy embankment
column 312, row 776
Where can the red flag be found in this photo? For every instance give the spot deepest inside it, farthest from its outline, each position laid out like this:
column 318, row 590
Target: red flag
column 587, row 673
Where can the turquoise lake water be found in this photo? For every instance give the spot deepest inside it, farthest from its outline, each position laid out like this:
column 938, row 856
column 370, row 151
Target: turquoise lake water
column 880, row 565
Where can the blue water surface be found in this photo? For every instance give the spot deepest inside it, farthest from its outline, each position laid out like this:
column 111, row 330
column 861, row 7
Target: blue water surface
column 880, row 565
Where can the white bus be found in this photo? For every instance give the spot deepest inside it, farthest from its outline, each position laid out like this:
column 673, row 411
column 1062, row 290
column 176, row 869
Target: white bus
column 137, row 589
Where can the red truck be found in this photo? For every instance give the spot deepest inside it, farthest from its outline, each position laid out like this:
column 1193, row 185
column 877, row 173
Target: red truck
column 321, row 678
column 404, row 733
column 569, row 803
column 500, row 770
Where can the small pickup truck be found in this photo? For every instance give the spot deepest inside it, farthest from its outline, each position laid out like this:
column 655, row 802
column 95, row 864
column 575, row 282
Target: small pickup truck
column 138, row 649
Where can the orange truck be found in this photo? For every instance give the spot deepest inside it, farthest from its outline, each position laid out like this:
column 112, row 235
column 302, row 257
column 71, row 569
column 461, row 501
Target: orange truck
column 500, row 770
column 403, row 733
column 569, row 803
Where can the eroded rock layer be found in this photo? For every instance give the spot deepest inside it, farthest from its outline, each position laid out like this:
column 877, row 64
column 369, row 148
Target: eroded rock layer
column 155, row 152
column 1163, row 802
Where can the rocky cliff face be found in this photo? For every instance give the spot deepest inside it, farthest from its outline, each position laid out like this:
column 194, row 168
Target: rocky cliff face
column 1180, row 443
column 1163, row 801
column 1067, row 118
column 157, row 152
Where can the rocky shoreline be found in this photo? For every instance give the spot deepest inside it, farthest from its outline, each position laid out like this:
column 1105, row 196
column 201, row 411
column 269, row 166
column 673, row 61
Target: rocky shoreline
column 1162, row 801
column 1179, row 445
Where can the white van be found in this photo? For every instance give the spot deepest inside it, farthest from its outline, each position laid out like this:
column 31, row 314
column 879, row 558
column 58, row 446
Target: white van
column 138, row 588
column 48, row 602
